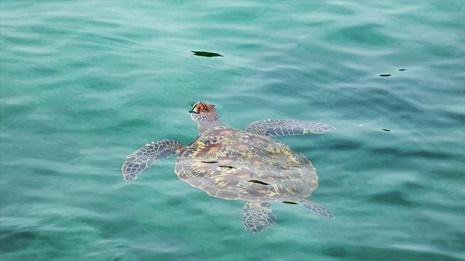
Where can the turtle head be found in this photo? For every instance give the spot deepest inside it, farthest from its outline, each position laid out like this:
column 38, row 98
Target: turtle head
column 205, row 115
column 202, row 108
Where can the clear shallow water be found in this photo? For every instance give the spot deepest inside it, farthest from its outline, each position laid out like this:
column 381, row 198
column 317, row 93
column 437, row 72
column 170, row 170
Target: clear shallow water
column 84, row 84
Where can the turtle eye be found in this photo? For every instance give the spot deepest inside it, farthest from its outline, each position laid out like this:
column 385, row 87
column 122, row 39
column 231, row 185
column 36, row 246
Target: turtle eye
column 194, row 108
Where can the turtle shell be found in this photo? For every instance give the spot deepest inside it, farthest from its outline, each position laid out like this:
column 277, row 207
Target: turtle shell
column 233, row 164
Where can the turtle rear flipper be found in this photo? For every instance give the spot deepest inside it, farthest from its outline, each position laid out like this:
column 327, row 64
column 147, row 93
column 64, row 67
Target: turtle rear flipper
column 257, row 216
column 317, row 208
column 287, row 127
column 142, row 158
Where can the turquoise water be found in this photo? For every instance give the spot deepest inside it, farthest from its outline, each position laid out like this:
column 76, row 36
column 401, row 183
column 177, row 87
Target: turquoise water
column 85, row 83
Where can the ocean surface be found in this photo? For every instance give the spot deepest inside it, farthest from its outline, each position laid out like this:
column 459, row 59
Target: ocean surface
column 84, row 83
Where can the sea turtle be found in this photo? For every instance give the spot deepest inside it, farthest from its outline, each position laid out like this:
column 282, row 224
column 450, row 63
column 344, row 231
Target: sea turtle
column 238, row 164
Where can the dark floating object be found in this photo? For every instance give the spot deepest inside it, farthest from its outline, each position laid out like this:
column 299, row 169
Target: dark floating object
column 226, row 166
column 385, row 75
column 386, row 129
column 206, row 54
column 290, row 202
column 402, row 70
column 258, row 182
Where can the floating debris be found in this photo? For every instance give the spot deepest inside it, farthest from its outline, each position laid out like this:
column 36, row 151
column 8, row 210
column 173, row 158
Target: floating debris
column 258, row 182
column 402, row 70
column 226, row 166
column 206, row 54
column 386, row 129
column 290, row 202
column 385, row 75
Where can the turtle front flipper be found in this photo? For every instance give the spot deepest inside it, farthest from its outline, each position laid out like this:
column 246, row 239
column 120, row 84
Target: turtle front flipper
column 287, row 127
column 257, row 216
column 143, row 157
column 317, row 208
